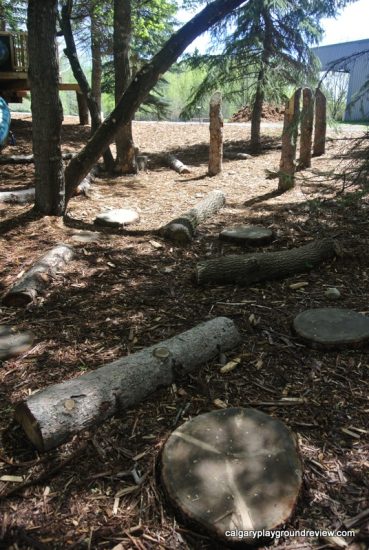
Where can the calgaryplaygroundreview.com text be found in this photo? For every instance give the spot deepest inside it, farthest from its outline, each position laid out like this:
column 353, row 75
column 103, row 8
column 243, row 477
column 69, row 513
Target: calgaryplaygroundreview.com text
column 263, row 533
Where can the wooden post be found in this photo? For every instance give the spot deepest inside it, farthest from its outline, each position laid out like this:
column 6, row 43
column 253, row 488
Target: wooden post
column 82, row 109
column 307, row 119
column 289, row 141
column 320, row 123
column 216, row 135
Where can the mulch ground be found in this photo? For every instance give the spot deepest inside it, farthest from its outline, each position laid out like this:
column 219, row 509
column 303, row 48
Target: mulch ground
column 128, row 291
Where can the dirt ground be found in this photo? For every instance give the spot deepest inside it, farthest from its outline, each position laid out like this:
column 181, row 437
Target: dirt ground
column 128, row 291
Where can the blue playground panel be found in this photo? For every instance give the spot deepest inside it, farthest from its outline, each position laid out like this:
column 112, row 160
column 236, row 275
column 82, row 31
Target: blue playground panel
column 4, row 122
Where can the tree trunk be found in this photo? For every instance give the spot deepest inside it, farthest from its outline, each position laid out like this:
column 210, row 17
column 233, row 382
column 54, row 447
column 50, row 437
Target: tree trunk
column 251, row 268
column 307, row 119
column 93, row 105
column 182, row 230
column 320, row 123
column 82, row 109
column 216, row 135
column 140, row 87
column 47, row 112
column 51, row 416
column 96, row 71
column 287, row 166
column 125, row 161
column 35, row 279
column 257, row 108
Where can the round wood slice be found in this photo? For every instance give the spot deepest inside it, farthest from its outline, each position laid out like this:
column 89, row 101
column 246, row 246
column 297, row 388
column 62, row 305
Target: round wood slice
column 253, row 235
column 232, row 469
column 332, row 328
column 13, row 343
column 117, row 217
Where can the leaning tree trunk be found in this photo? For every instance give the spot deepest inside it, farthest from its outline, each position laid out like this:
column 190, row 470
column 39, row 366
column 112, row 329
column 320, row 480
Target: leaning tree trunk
column 92, row 103
column 51, row 416
column 126, row 155
column 216, row 135
column 140, row 87
column 35, row 279
column 287, row 167
column 47, row 112
column 182, row 230
column 251, row 268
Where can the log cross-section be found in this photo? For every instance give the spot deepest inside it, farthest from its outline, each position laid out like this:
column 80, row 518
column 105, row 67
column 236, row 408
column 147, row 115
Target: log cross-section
column 182, row 230
column 36, row 278
column 51, row 416
column 250, row 268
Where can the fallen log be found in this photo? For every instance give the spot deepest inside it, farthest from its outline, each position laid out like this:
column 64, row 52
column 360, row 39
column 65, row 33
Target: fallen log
column 19, row 196
column 51, row 416
column 236, row 155
column 26, row 159
column 36, row 278
column 251, row 268
column 177, row 165
column 182, row 230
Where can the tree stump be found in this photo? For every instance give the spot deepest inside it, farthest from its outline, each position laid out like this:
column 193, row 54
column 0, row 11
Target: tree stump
column 287, row 166
column 49, row 417
column 13, row 343
column 320, row 123
column 253, row 235
column 246, row 269
column 233, row 470
column 332, row 328
column 182, row 230
column 35, row 279
column 216, row 135
column 307, row 119
column 118, row 217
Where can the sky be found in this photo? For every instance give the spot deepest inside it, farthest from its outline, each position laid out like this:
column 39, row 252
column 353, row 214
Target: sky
column 352, row 23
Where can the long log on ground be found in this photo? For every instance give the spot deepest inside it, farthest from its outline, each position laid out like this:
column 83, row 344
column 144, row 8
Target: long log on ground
column 27, row 159
column 182, row 230
column 18, row 196
column 51, row 416
column 251, row 268
column 36, row 278
column 177, row 165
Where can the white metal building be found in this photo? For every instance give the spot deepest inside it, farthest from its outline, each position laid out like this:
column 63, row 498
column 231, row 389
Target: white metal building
column 352, row 58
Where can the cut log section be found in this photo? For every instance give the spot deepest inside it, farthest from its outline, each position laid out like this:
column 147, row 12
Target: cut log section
column 233, row 470
column 332, row 328
column 177, row 165
column 21, row 196
column 119, row 217
column 234, row 155
column 253, row 235
column 36, row 278
column 182, row 230
column 263, row 266
column 13, row 343
column 51, row 416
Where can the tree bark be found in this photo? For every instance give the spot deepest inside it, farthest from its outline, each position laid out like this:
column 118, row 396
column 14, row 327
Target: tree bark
column 92, row 103
column 51, row 416
column 139, row 88
column 182, row 230
column 36, row 278
column 96, row 71
column 307, row 119
column 320, row 123
column 82, row 109
column 47, row 112
column 216, row 135
column 251, row 268
column 126, row 157
column 287, row 166
column 177, row 165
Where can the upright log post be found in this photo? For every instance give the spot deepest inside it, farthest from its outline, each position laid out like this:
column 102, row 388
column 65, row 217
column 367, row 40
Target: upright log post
column 320, row 123
column 82, row 109
column 307, row 119
column 216, row 135
column 287, row 165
